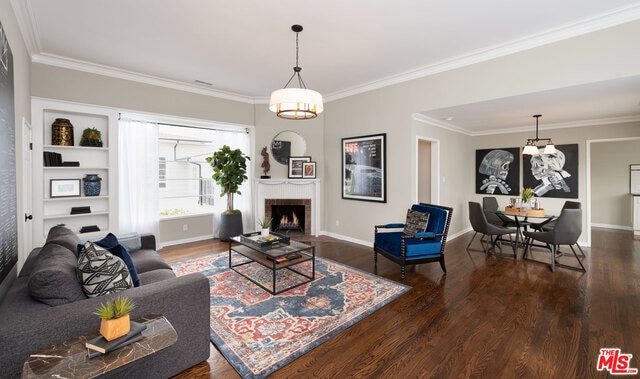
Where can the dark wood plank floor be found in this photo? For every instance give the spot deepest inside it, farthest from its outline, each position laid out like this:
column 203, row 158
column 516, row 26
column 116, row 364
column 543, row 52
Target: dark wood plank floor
column 489, row 317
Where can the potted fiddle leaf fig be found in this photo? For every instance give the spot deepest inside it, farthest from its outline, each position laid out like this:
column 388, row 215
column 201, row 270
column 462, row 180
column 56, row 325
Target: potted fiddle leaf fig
column 229, row 172
column 115, row 317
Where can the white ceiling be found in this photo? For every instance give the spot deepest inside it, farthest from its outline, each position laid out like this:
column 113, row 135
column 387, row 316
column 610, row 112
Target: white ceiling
column 245, row 48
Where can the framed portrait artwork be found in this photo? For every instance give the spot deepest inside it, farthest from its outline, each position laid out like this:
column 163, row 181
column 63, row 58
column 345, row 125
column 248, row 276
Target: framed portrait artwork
column 364, row 168
column 309, row 170
column 296, row 166
column 65, row 187
column 552, row 175
column 498, row 171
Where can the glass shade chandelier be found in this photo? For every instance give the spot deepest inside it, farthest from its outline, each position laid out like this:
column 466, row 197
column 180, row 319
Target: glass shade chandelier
column 531, row 148
column 296, row 103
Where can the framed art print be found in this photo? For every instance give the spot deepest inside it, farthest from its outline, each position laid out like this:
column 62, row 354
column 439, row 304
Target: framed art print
column 309, row 170
column 65, row 187
column 364, row 168
column 295, row 166
column 498, row 171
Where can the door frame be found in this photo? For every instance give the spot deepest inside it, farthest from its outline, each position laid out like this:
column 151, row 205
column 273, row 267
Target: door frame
column 435, row 168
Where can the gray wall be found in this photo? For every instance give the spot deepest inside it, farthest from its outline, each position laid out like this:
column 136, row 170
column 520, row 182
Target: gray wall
column 603, row 55
column 611, row 203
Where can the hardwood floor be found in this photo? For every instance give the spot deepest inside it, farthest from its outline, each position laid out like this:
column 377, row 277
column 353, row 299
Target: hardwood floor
column 489, row 317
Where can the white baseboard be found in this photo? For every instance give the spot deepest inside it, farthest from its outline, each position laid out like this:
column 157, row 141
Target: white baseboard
column 609, row 226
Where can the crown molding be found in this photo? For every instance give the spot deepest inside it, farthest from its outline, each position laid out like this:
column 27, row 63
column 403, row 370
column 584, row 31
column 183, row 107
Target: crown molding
column 561, row 125
column 26, row 23
column 612, row 18
column 78, row 65
column 618, row 16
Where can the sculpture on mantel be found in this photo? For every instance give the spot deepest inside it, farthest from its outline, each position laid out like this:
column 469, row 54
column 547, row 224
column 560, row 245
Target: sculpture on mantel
column 266, row 166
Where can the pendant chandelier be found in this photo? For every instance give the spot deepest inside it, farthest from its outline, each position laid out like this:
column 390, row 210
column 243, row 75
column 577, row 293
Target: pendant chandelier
column 296, row 103
column 531, row 148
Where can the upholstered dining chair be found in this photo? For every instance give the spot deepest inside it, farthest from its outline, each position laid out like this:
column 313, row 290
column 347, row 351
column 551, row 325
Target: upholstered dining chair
column 480, row 224
column 490, row 207
column 566, row 231
column 422, row 239
column 549, row 224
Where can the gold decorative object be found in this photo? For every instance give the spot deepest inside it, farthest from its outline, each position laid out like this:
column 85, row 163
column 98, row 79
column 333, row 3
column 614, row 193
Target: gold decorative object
column 62, row 132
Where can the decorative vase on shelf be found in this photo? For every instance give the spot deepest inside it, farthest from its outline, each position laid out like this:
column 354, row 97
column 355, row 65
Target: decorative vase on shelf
column 62, row 132
column 92, row 184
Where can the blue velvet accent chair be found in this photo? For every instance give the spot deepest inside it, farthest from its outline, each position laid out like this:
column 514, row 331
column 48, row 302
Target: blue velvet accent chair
column 420, row 247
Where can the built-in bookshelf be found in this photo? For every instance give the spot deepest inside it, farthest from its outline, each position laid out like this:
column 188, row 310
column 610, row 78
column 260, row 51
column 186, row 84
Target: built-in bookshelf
column 58, row 189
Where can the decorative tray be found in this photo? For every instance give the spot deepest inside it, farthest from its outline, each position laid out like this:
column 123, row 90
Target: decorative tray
column 525, row 212
column 259, row 240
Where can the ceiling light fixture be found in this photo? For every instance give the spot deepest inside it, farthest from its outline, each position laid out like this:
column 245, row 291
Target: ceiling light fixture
column 296, row 103
column 531, row 148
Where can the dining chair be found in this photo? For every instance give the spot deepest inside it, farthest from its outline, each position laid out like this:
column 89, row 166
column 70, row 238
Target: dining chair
column 480, row 224
column 549, row 224
column 566, row 231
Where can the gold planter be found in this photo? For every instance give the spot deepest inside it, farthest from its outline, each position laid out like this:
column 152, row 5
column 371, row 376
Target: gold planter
column 62, row 132
column 114, row 328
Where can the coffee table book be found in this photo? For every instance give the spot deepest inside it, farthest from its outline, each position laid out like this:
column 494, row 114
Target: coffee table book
column 100, row 345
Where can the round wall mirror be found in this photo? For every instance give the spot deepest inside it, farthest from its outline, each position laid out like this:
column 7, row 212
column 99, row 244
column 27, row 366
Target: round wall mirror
column 287, row 144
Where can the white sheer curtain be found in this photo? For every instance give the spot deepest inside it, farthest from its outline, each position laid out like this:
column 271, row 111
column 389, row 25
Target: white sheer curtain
column 138, row 177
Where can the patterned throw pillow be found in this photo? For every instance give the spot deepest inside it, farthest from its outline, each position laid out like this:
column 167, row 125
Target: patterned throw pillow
column 101, row 272
column 416, row 222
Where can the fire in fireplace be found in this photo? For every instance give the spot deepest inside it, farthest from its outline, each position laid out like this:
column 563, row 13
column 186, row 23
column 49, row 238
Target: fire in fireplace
column 288, row 218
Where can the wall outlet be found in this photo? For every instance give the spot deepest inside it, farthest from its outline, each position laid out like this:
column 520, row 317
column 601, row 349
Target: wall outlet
column 337, row 222
column 185, row 227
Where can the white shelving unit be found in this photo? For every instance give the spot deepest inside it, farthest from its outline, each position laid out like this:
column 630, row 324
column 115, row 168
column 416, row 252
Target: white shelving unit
column 50, row 211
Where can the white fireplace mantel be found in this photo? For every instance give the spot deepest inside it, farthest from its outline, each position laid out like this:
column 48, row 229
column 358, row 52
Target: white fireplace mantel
column 290, row 189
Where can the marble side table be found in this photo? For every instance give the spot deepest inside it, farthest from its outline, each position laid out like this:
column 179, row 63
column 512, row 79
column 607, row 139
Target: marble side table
column 70, row 359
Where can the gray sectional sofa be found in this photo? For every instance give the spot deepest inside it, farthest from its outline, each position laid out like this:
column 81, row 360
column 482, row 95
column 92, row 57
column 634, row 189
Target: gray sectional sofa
column 46, row 305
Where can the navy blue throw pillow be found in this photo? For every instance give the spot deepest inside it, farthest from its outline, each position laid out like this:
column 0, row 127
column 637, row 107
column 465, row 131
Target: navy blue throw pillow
column 110, row 242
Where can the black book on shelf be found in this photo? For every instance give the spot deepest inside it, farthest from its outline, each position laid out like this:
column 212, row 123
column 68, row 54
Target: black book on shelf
column 58, row 159
column 89, row 228
column 80, row 210
column 71, row 163
column 100, row 345
column 48, row 158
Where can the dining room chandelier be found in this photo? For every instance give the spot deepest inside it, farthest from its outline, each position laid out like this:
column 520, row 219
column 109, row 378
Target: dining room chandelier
column 531, row 148
column 296, row 103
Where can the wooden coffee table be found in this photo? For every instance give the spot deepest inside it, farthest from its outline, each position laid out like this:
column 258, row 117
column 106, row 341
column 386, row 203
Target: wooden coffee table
column 269, row 257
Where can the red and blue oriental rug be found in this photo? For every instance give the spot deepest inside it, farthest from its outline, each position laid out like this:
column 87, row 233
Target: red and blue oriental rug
column 258, row 333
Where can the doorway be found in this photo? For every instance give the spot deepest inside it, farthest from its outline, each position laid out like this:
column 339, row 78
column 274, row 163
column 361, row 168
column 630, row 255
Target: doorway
column 427, row 170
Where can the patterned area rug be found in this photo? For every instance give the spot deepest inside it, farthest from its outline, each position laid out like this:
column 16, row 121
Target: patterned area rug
column 258, row 333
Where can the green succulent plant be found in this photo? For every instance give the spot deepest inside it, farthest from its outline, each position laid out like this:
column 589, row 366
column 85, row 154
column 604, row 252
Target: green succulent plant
column 264, row 222
column 115, row 308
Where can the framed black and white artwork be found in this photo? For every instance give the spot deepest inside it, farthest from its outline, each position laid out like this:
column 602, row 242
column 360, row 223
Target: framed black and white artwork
column 552, row 175
column 498, row 171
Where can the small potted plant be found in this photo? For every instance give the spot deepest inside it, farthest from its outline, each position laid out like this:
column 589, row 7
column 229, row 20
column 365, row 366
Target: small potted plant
column 265, row 224
column 91, row 137
column 527, row 194
column 115, row 317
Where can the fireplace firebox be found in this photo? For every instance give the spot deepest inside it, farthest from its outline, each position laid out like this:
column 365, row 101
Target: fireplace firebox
column 289, row 215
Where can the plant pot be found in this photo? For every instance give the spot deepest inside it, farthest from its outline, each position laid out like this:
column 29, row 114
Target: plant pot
column 114, row 328
column 264, row 231
column 230, row 225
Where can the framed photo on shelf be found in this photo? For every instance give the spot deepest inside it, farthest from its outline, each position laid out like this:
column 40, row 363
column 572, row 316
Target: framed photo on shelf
column 364, row 162
column 309, row 170
column 295, row 166
column 65, row 187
